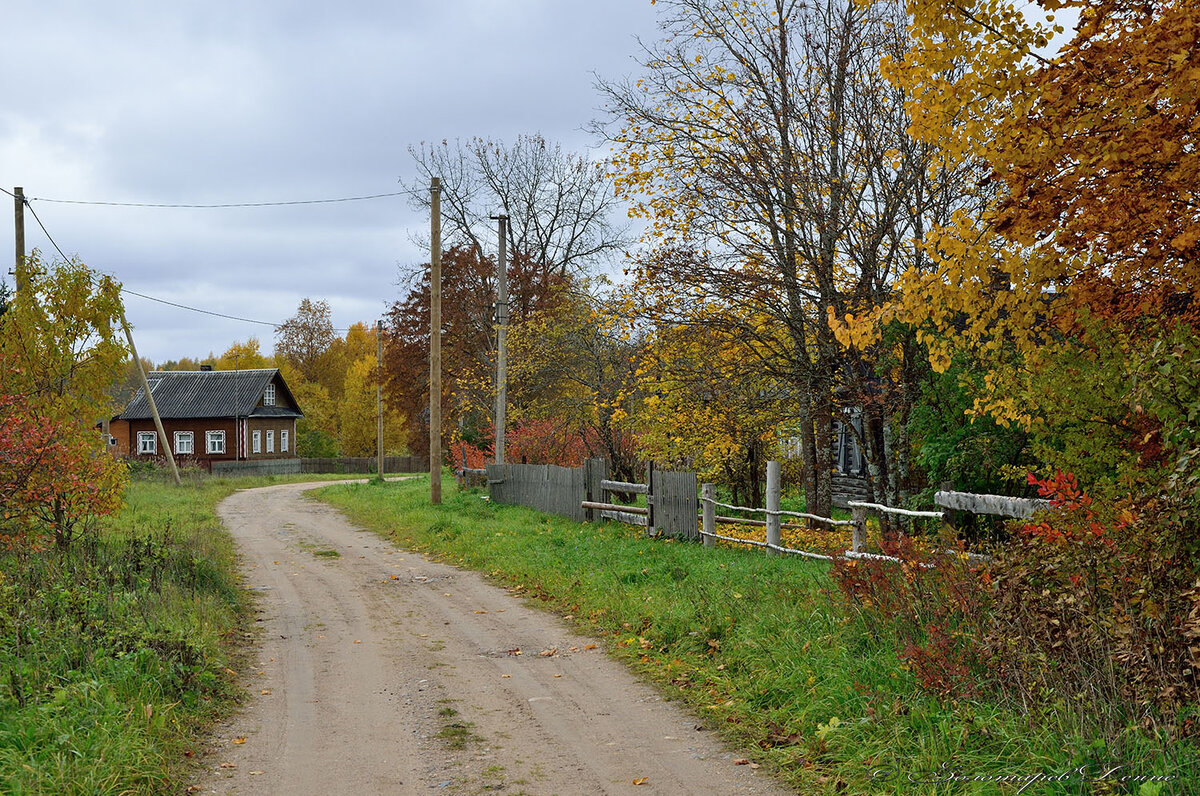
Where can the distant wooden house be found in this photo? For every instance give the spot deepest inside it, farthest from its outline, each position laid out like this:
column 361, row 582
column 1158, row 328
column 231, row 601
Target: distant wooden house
column 211, row 415
column 849, row 479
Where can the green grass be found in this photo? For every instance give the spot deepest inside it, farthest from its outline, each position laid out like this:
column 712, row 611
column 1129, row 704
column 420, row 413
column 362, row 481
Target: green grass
column 115, row 655
column 763, row 651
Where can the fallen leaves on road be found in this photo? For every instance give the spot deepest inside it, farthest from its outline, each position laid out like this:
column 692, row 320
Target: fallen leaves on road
column 741, row 761
column 549, row 653
column 229, row 765
column 239, row 740
column 640, row 780
column 590, row 647
column 515, row 651
column 265, row 692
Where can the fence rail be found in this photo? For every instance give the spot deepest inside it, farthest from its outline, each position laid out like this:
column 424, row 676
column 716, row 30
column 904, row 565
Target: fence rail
column 1001, row 505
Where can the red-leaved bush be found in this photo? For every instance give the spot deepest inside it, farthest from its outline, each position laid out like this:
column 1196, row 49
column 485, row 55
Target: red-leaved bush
column 55, row 478
column 1086, row 604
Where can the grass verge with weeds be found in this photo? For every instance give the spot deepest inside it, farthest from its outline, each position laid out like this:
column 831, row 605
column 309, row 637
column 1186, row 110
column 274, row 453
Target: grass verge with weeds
column 116, row 653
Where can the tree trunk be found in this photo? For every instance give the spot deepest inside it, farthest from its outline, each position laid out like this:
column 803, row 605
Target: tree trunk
column 822, row 403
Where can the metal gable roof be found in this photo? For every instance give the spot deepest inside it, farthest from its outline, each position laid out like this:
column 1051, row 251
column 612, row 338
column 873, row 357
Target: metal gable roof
column 206, row 393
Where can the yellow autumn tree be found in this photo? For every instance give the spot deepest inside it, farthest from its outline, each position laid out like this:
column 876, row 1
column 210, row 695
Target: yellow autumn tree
column 762, row 138
column 357, row 414
column 1090, row 158
column 709, row 404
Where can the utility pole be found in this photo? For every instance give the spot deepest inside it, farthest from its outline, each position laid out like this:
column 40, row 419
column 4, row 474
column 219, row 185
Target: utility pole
column 435, row 343
column 19, row 222
column 150, row 400
column 379, row 398
column 501, row 338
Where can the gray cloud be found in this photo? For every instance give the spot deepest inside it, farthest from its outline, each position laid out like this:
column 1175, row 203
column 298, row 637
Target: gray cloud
column 218, row 101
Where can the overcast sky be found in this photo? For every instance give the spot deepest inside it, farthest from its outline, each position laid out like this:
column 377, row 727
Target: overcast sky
column 183, row 102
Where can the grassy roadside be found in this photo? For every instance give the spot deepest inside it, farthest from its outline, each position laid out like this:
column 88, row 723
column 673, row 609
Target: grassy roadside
column 763, row 651
column 114, row 655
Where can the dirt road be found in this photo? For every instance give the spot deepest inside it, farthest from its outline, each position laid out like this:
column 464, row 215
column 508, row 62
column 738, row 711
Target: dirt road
column 381, row 672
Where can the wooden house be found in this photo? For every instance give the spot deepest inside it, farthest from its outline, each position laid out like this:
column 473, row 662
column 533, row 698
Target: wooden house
column 211, row 415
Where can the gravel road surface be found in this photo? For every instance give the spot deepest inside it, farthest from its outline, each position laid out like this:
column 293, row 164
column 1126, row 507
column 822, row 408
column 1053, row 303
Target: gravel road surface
column 381, row 672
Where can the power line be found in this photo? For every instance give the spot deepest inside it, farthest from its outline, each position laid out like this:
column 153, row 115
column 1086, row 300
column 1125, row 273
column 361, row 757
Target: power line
column 124, row 289
column 193, row 206
column 206, row 312
column 44, row 230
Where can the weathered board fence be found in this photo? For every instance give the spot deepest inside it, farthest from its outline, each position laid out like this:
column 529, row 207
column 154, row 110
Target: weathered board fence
column 345, row 464
column 584, row 494
column 543, row 487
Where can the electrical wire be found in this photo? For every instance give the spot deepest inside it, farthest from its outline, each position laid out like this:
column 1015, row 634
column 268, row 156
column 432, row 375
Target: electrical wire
column 126, row 290
column 206, row 312
column 189, row 206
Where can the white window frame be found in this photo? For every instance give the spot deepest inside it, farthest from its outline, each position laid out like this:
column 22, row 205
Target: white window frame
column 283, row 441
column 256, row 441
column 270, row 441
column 185, row 443
column 147, row 443
column 269, row 395
column 214, row 442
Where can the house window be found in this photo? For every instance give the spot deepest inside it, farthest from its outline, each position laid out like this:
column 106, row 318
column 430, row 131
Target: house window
column 147, row 443
column 185, row 443
column 283, row 442
column 269, row 395
column 256, row 442
column 270, row 442
column 214, row 441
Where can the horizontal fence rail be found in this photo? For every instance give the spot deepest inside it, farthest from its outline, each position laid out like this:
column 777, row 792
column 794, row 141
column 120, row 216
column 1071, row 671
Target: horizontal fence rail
column 625, row 486
column 1001, row 505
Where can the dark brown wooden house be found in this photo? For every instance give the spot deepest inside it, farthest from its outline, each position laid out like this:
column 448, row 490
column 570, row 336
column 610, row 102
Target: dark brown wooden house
column 211, row 415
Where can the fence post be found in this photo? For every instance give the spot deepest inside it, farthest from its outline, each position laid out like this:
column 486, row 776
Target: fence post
column 597, row 471
column 773, row 507
column 650, row 530
column 708, row 495
column 859, row 515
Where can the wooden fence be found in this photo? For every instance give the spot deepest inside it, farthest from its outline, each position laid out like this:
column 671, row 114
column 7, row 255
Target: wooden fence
column 260, row 467
column 345, row 464
column 365, row 464
column 584, row 494
column 959, row 501
column 672, row 508
column 544, row 487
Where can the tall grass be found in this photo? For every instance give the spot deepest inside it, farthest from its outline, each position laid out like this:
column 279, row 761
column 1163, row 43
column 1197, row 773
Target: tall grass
column 765, row 651
column 112, row 652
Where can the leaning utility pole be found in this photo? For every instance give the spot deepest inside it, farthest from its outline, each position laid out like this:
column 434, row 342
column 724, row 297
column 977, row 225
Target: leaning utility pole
column 379, row 398
column 501, row 338
column 149, row 401
column 19, row 222
column 435, row 343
